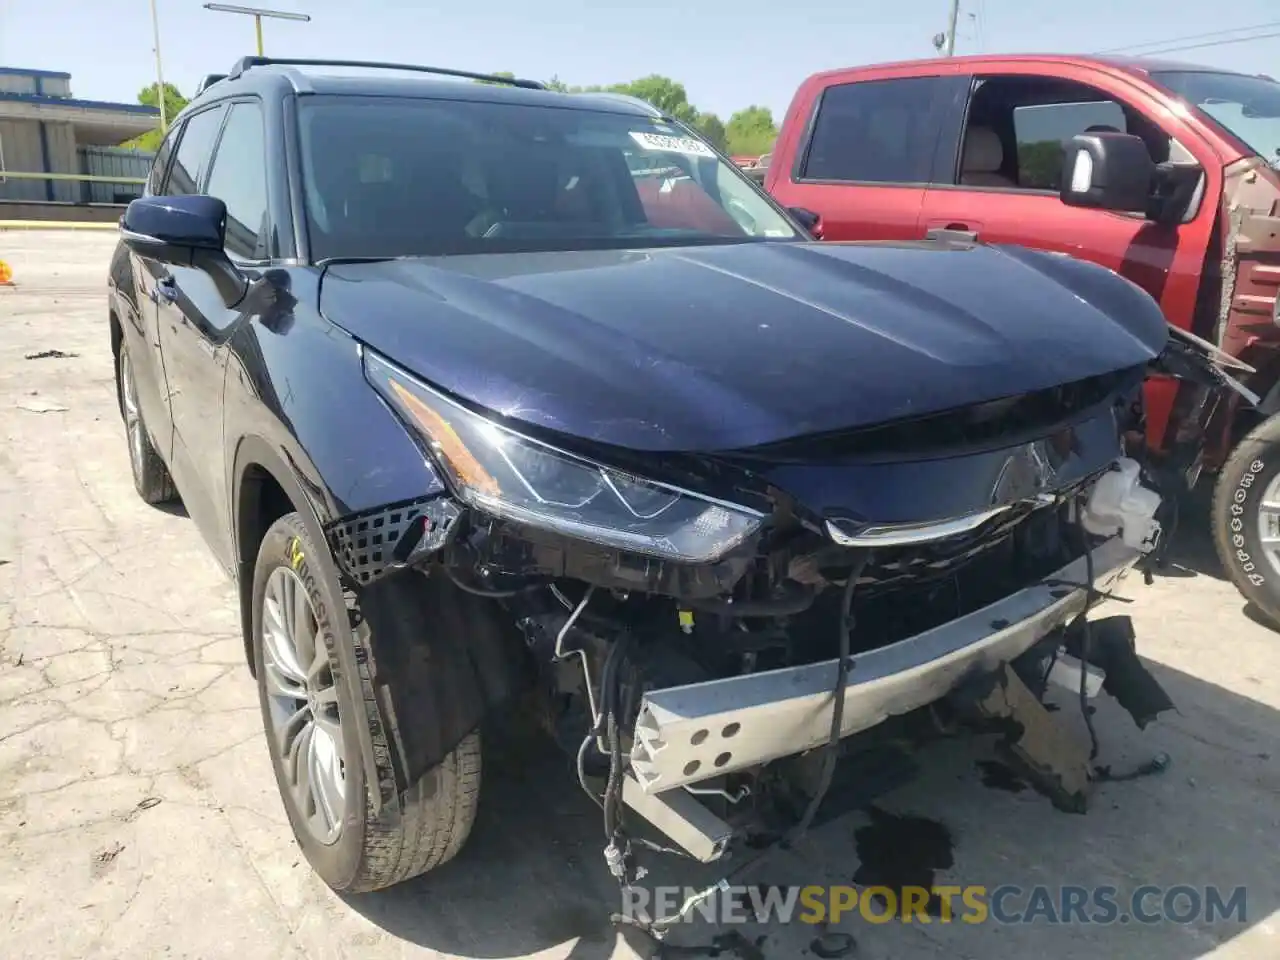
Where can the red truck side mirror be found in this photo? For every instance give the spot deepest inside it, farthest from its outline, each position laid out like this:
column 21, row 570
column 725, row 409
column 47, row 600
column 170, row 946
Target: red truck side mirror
column 1107, row 171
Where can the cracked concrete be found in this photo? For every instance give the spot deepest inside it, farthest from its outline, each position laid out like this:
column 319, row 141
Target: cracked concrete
column 139, row 816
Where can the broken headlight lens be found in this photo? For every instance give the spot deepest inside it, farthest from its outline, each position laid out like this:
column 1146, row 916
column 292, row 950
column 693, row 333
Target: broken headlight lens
column 517, row 478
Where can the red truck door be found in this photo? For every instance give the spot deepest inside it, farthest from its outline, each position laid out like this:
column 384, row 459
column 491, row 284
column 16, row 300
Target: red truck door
column 862, row 153
column 1004, row 175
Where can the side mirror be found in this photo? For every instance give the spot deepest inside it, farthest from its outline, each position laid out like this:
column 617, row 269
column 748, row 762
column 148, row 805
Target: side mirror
column 1107, row 171
column 170, row 229
column 187, row 231
column 811, row 221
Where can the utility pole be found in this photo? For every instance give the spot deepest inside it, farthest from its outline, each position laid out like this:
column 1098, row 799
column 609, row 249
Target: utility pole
column 257, row 13
column 951, row 28
column 155, row 30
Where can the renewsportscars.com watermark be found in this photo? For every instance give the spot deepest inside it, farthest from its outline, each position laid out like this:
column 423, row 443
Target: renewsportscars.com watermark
column 1006, row 904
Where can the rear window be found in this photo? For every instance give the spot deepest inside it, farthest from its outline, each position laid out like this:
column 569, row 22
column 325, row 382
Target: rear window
column 877, row 131
column 389, row 177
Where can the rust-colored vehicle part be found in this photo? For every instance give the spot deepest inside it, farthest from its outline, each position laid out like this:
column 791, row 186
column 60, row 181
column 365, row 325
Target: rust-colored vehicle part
column 1249, row 268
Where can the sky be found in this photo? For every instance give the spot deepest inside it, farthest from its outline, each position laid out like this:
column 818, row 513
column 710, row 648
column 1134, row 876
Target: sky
column 728, row 53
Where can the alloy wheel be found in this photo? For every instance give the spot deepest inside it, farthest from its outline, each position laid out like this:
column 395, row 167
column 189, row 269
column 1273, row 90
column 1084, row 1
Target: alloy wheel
column 132, row 417
column 303, row 705
column 1269, row 522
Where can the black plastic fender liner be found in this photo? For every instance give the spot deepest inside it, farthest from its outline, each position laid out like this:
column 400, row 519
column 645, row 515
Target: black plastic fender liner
column 1113, row 648
column 351, row 654
column 440, row 660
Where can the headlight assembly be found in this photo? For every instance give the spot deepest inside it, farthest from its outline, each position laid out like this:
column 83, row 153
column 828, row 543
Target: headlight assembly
column 517, row 478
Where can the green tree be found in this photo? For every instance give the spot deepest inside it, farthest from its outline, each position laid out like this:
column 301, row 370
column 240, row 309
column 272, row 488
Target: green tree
column 711, row 127
column 1040, row 164
column 149, row 96
column 174, row 101
column 751, row 132
column 663, row 92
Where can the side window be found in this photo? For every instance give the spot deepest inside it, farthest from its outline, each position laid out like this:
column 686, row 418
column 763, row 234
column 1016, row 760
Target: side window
column 192, row 156
column 239, row 179
column 1042, row 131
column 1017, row 127
column 876, row 131
column 155, row 179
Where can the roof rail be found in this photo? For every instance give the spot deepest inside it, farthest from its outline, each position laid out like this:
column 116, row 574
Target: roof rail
column 209, row 80
column 625, row 98
column 247, row 63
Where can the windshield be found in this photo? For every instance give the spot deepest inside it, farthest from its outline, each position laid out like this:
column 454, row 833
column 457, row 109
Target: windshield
column 1248, row 107
column 390, row 177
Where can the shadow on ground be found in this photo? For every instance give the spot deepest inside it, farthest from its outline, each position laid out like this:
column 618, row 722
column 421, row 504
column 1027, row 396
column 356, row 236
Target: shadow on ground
column 1192, row 552
column 532, row 877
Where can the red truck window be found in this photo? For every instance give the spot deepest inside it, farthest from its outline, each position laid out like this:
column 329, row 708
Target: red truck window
column 1017, row 126
column 879, row 131
column 1041, row 130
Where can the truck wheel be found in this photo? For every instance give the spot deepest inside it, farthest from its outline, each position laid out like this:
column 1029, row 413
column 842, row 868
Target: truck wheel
column 150, row 476
column 1246, row 517
column 315, row 752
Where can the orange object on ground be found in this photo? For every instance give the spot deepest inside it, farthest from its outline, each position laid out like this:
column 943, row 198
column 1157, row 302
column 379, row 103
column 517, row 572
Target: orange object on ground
column 6, row 275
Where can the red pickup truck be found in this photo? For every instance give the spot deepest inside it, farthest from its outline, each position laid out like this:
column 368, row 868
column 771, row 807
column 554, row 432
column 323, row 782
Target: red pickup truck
column 1164, row 172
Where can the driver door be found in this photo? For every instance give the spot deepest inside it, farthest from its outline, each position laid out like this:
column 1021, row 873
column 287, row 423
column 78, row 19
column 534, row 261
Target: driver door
column 197, row 325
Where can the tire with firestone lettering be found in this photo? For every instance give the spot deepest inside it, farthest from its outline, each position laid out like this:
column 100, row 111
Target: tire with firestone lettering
column 1239, row 517
column 309, row 716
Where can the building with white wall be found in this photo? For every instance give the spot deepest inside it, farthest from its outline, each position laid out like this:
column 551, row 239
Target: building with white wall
column 44, row 129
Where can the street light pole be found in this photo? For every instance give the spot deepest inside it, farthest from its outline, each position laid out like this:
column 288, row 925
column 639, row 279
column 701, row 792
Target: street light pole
column 257, row 13
column 951, row 28
column 155, row 30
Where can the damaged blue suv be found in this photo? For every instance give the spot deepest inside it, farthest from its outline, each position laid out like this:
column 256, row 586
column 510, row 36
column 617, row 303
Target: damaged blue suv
column 479, row 389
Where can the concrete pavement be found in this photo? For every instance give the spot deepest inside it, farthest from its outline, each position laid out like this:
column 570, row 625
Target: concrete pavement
column 139, row 817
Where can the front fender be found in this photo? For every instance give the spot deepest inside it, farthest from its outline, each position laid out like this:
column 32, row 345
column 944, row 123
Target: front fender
column 297, row 409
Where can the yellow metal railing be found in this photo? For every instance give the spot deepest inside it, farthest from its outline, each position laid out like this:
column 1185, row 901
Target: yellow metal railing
column 61, row 224
column 79, row 177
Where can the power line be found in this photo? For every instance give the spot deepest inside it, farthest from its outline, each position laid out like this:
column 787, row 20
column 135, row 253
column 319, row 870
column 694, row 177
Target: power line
column 1196, row 37
column 1211, row 43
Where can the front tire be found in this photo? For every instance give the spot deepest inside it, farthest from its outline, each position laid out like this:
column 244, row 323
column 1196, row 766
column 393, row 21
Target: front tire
column 150, row 476
column 315, row 753
column 1246, row 517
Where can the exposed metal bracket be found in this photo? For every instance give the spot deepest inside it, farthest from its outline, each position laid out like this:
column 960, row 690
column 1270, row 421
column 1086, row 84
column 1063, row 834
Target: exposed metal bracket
column 693, row 827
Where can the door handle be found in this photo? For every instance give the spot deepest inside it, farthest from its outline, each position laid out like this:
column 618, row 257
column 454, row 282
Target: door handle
column 165, row 289
column 953, row 232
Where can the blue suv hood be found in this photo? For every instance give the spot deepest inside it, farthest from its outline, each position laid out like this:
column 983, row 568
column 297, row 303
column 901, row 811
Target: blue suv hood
column 726, row 347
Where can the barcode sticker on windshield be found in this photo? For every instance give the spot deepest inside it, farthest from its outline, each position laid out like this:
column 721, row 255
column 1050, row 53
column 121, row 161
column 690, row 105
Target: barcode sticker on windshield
column 685, row 145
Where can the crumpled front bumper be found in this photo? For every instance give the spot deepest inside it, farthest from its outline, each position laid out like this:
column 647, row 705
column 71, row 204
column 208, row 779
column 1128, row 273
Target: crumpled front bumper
column 694, row 732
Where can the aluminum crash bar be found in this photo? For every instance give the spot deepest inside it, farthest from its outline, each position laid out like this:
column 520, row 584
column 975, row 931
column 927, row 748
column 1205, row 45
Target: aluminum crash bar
column 702, row 730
